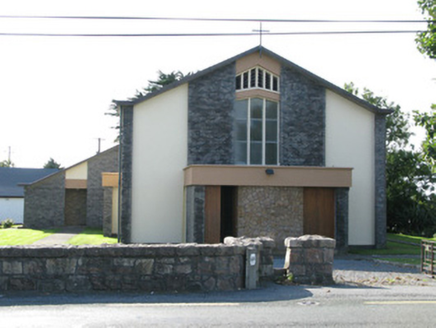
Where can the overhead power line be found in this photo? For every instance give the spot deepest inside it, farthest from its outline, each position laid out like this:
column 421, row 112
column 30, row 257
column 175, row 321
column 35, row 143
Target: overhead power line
column 203, row 34
column 221, row 19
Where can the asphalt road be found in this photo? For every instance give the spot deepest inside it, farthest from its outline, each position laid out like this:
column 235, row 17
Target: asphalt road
column 272, row 306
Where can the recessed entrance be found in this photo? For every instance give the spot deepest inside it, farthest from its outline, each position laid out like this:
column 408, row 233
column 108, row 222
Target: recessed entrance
column 220, row 213
column 75, row 207
column 229, row 211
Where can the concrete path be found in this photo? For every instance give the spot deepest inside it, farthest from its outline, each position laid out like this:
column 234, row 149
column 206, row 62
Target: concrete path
column 60, row 237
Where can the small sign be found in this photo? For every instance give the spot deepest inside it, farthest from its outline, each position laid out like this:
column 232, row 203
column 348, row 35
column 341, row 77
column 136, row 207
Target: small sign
column 253, row 259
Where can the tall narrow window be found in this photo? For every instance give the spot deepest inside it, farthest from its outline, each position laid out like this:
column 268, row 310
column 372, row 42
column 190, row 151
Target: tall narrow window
column 256, row 131
column 241, row 110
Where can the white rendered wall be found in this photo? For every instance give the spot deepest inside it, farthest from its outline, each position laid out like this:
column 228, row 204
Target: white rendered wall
column 160, row 130
column 12, row 208
column 350, row 143
column 78, row 172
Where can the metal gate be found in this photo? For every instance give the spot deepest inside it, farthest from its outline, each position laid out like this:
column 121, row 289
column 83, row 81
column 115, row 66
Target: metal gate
column 428, row 258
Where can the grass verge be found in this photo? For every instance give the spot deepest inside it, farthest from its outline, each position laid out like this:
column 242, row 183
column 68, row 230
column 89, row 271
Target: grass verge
column 14, row 237
column 406, row 246
column 407, row 238
column 91, row 236
column 392, row 248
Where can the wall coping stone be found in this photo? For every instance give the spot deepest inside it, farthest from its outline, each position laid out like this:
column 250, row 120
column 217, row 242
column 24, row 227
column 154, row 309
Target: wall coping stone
column 308, row 241
column 145, row 267
column 117, row 250
column 262, row 242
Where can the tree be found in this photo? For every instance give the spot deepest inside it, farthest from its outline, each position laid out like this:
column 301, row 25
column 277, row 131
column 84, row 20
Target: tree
column 52, row 164
column 163, row 80
column 7, row 163
column 409, row 176
column 427, row 40
column 397, row 123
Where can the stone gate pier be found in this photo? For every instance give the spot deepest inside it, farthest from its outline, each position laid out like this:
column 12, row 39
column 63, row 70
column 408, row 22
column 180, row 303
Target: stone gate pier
column 309, row 259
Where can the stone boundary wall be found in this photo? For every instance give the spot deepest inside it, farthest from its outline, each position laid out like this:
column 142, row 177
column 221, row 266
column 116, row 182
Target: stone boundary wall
column 265, row 247
column 139, row 268
column 309, row 259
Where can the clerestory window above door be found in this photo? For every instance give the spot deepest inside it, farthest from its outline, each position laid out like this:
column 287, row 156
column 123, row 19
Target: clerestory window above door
column 256, row 131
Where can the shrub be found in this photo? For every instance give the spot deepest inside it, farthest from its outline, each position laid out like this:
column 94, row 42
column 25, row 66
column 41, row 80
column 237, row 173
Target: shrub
column 8, row 223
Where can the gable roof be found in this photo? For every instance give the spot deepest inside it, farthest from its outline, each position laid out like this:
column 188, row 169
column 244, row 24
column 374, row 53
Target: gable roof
column 11, row 179
column 77, row 164
column 283, row 61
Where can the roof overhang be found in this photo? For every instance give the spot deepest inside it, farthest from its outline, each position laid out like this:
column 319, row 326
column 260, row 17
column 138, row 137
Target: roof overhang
column 109, row 179
column 274, row 176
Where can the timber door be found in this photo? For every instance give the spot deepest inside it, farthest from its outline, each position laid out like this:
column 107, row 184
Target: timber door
column 220, row 213
column 319, row 212
column 212, row 212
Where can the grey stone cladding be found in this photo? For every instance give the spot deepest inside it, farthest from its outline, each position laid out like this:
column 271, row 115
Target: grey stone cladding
column 44, row 202
column 302, row 120
column 276, row 212
column 380, row 181
column 126, row 173
column 341, row 219
column 210, row 118
column 195, row 202
column 104, row 162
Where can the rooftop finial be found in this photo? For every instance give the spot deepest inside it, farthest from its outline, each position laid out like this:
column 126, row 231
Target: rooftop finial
column 260, row 30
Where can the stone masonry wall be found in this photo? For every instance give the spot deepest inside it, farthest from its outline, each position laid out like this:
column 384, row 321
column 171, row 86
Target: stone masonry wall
column 276, row 212
column 210, row 118
column 195, row 201
column 44, row 202
column 104, row 162
column 158, row 268
column 309, row 259
column 302, row 120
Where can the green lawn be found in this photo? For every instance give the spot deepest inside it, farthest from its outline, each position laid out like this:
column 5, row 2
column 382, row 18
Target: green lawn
column 91, row 236
column 14, row 237
column 396, row 246
column 407, row 238
column 392, row 248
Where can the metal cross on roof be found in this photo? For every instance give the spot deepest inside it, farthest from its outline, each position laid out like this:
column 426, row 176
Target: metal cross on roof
column 260, row 30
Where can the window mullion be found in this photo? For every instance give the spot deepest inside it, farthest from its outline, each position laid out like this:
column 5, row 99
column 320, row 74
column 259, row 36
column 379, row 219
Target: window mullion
column 263, row 131
column 278, row 134
column 248, row 130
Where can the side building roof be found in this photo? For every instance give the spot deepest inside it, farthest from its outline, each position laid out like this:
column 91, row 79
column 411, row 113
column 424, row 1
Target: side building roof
column 283, row 61
column 11, row 179
column 81, row 162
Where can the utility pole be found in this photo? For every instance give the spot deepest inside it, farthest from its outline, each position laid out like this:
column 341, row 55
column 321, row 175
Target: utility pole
column 99, row 145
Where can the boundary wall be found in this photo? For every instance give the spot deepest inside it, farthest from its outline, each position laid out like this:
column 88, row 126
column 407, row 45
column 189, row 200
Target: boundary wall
column 137, row 267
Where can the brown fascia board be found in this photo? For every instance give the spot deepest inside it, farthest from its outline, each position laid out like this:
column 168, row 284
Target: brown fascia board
column 283, row 61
